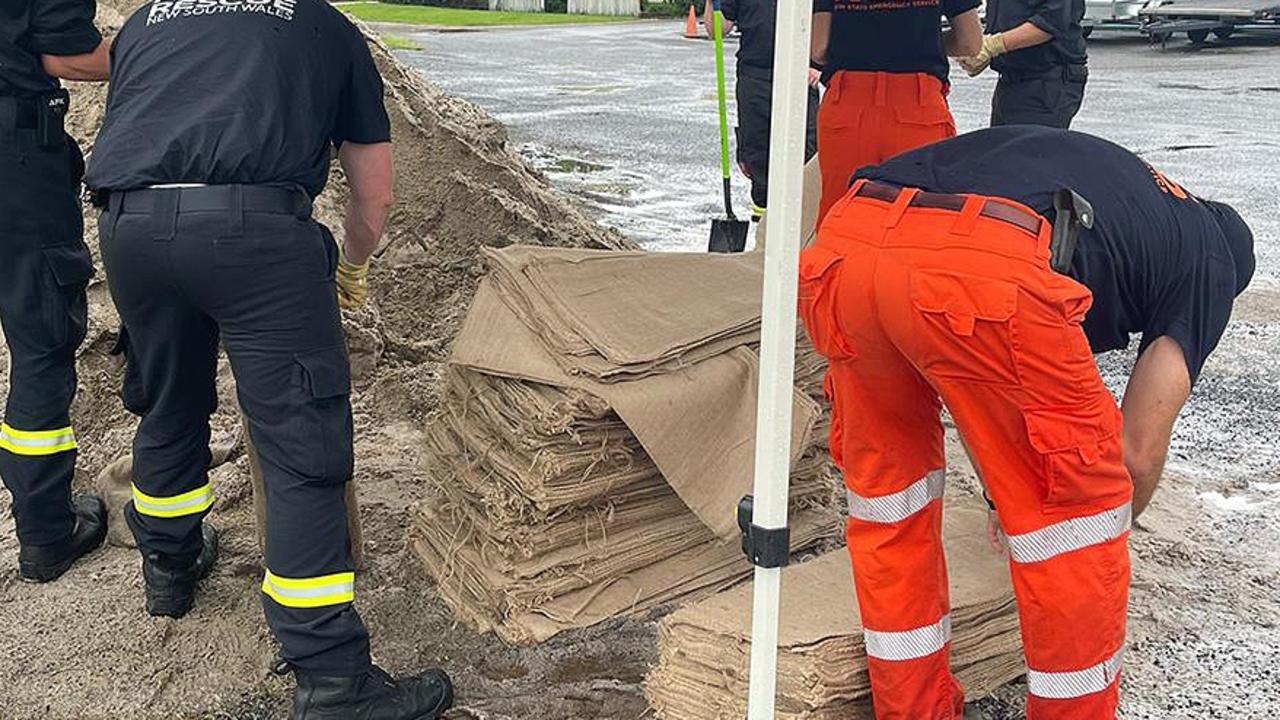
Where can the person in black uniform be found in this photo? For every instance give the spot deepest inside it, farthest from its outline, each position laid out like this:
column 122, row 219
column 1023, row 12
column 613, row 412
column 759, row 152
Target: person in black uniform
column 217, row 137
column 44, row 270
column 1038, row 47
column 756, row 21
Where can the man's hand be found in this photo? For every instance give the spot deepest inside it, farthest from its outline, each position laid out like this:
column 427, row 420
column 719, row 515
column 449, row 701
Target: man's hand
column 992, row 47
column 353, row 283
column 815, row 77
column 1157, row 390
column 997, row 539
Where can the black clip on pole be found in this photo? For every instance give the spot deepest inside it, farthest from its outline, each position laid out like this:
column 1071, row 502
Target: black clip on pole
column 764, row 547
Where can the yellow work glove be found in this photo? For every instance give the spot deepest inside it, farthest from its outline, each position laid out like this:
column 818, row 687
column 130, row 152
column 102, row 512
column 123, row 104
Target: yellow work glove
column 992, row 48
column 353, row 283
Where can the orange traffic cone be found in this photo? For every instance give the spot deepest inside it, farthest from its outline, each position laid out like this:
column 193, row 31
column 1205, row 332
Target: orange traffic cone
column 691, row 25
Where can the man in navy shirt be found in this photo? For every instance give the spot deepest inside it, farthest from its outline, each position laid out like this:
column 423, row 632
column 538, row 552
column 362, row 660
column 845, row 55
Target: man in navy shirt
column 220, row 124
column 757, row 21
column 44, row 270
column 1038, row 47
column 930, row 284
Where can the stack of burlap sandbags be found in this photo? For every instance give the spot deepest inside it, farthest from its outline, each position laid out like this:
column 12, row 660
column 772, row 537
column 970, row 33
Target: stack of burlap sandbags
column 703, row 671
column 598, row 430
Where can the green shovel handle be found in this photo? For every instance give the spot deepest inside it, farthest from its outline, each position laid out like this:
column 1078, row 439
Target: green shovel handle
column 718, row 32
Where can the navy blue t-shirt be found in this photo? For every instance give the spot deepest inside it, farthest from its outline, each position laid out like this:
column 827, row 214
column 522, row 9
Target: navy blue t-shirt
column 902, row 36
column 1063, row 19
column 757, row 22
column 253, row 92
column 31, row 28
column 1156, row 260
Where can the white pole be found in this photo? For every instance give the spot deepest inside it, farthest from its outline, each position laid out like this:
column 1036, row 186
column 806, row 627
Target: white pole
column 778, row 332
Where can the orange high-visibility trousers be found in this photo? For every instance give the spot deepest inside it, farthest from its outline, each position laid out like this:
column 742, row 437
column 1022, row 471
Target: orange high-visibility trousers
column 916, row 307
column 868, row 117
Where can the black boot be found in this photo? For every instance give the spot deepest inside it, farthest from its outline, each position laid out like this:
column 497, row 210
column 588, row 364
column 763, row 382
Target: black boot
column 40, row 564
column 372, row 696
column 171, row 591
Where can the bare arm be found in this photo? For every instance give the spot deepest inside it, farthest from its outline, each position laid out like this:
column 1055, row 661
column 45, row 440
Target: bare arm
column 94, row 65
column 370, row 176
column 821, row 37
column 709, row 19
column 1024, row 36
column 965, row 36
column 1158, row 388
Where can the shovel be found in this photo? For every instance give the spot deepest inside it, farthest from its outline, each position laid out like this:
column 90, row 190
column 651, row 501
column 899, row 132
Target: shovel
column 728, row 235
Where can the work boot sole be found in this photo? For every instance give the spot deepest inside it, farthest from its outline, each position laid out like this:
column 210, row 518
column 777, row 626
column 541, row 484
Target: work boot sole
column 36, row 574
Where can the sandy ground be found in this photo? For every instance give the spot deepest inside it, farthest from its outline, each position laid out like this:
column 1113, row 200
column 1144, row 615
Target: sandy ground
column 1204, row 641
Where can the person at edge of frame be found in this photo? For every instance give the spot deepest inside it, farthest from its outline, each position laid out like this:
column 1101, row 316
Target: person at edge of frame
column 45, row 268
column 944, row 279
column 756, row 22
column 886, row 71
column 216, row 140
column 1038, row 48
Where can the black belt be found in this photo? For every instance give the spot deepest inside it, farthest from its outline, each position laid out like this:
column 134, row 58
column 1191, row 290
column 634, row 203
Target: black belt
column 212, row 198
column 26, row 111
column 1070, row 72
column 993, row 209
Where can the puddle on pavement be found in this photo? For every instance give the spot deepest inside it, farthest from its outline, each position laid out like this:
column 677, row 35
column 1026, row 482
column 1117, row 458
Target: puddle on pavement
column 588, row 89
column 574, row 165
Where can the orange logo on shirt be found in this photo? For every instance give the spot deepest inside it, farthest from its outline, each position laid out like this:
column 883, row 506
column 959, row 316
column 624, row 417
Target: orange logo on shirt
column 1168, row 186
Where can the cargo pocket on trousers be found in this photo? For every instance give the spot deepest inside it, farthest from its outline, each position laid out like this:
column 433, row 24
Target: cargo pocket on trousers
column 965, row 319
column 326, row 388
column 1081, row 451
column 65, row 309
column 819, row 281
column 937, row 116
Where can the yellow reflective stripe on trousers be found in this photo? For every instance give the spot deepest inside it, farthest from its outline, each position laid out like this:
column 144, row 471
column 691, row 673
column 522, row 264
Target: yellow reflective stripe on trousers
column 336, row 589
column 188, row 503
column 36, row 443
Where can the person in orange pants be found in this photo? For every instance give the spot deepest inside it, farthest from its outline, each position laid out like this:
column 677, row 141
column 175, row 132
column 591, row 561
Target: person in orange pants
column 885, row 66
column 929, row 285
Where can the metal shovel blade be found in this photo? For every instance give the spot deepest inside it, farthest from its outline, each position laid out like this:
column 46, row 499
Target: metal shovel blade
column 728, row 236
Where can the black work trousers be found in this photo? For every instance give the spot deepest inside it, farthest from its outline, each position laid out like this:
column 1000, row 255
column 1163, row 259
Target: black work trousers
column 246, row 265
column 755, row 112
column 44, row 271
column 1050, row 98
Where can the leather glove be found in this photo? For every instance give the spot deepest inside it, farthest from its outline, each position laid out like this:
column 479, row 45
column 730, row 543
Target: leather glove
column 992, row 47
column 353, row 283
